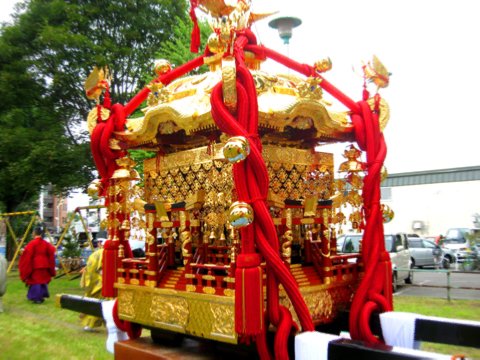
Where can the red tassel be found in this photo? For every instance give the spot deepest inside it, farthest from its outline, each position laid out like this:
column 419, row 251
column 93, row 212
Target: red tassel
column 195, row 37
column 248, row 295
column 109, row 269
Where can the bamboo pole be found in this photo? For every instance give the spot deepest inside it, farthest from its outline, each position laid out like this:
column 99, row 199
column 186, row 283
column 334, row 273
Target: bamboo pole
column 21, row 242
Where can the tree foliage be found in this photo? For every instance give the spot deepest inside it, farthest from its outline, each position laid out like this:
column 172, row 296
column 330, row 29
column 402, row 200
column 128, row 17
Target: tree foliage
column 45, row 56
column 177, row 49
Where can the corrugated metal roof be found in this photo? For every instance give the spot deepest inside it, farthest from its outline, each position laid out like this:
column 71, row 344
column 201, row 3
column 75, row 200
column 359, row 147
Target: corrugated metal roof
column 470, row 173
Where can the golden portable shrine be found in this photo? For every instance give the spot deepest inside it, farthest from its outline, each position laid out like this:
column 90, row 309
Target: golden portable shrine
column 239, row 212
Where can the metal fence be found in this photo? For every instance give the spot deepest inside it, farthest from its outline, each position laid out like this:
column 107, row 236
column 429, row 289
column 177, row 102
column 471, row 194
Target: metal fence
column 448, row 283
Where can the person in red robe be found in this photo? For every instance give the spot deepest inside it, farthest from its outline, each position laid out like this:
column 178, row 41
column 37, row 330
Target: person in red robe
column 37, row 267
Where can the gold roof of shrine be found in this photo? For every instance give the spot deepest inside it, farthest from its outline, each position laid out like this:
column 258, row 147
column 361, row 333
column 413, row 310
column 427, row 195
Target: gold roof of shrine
column 292, row 112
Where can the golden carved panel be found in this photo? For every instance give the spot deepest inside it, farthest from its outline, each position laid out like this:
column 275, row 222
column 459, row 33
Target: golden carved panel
column 203, row 315
column 125, row 304
column 167, row 309
column 222, row 319
column 323, row 301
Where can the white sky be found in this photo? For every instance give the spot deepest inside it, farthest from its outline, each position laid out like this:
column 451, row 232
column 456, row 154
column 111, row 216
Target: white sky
column 431, row 48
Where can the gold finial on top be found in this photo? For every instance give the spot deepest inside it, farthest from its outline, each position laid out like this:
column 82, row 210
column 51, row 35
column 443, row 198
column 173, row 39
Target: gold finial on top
column 377, row 73
column 97, row 81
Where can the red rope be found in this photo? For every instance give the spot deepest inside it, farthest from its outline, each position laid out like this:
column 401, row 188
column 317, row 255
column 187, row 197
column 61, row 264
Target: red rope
column 105, row 157
column 133, row 330
column 164, row 79
column 374, row 292
column 251, row 182
column 306, row 70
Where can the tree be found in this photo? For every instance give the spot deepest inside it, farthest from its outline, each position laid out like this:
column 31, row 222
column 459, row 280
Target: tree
column 177, row 49
column 44, row 58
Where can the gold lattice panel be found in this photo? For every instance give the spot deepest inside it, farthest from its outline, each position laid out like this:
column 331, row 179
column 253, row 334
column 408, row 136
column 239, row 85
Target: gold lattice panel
column 174, row 177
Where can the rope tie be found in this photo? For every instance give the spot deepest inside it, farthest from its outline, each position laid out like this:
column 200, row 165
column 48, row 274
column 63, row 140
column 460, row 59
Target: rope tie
column 255, row 199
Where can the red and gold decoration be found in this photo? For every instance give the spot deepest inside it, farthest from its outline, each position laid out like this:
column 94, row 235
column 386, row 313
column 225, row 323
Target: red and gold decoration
column 238, row 211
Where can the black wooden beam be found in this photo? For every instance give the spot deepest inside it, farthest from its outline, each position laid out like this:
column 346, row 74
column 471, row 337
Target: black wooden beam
column 442, row 331
column 81, row 304
column 348, row 349
column 445, row 331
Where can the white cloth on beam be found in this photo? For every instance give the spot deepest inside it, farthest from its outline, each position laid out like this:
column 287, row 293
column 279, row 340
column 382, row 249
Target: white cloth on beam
column 114, row 333
column 398, row 329
column 313, row 345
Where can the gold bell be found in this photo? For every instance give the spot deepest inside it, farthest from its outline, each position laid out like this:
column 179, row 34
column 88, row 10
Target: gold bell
column 240, row 214
column 236, row 149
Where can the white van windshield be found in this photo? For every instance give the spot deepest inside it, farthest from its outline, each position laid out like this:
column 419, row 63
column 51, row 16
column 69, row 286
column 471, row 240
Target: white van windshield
column 456, row 236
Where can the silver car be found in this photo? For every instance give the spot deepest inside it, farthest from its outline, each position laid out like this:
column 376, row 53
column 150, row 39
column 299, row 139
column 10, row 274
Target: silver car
column 424, row 252
column 397, row 247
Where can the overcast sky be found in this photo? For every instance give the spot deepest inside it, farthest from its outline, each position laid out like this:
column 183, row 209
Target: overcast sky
column 431, row 48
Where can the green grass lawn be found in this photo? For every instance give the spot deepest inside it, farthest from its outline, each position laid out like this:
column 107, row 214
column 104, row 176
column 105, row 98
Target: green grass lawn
column 46, row 332
column 457, row 309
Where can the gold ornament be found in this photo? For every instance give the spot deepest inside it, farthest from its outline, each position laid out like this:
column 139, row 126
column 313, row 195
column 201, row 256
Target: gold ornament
column 236, row 149
column 240, row 214
column 323, row 65
column 125, row 225
column 383, row 111
column 215, row 44
column 377, row 73
column 310, row 89
column 96, row 83
column 383, row 173
column 162, row 66
column 93, row 189
column 92, row 118
column 353, row 164
column 229, row 87
column 387, row 213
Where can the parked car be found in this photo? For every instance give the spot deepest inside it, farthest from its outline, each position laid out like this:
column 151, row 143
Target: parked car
column 395, row 244
column 458, row 240
column 448, row 257
column 424, row 252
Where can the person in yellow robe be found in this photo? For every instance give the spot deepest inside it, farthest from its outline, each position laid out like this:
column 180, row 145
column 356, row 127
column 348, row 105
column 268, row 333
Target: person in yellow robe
column 91, row 282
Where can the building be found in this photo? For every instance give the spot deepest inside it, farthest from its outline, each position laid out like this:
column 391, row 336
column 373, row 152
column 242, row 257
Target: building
column 52, row 209
column 431, row 202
